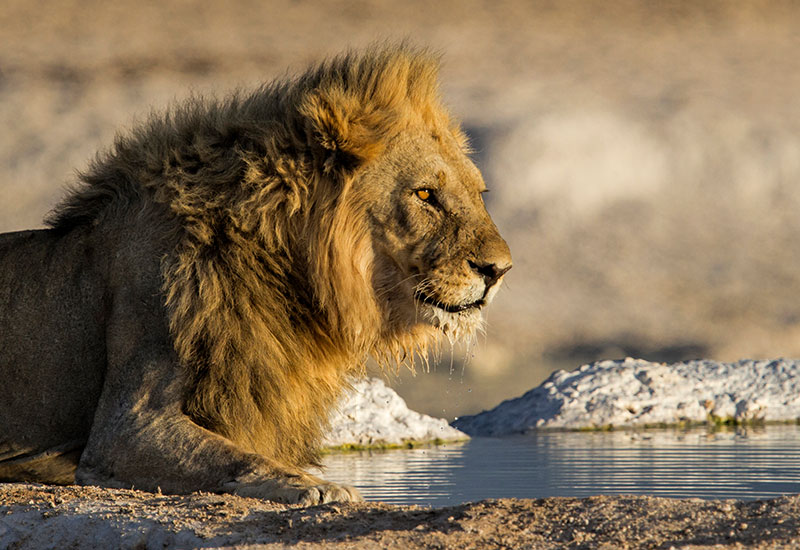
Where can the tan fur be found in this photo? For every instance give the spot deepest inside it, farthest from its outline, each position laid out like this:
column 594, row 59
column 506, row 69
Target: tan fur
column 293, row 248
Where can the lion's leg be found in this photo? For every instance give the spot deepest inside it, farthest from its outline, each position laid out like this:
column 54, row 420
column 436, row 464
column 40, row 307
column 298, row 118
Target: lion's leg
column 172, row 454
column 140, row 436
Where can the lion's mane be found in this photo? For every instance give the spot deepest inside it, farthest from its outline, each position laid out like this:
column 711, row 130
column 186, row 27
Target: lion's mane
column 269, row 286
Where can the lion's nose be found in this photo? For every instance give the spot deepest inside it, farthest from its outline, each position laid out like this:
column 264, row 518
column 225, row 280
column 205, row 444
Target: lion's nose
column 490, row 272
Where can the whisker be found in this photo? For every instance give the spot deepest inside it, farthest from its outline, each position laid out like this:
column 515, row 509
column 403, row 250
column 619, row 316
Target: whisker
column 384, row 291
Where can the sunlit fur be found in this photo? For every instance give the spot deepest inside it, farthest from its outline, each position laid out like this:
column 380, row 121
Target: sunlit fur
column 272, row 292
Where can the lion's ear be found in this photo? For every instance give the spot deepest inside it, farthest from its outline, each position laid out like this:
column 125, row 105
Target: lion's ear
column 346, row 132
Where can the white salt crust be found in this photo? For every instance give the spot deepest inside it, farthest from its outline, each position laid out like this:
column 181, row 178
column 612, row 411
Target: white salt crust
column 372, row 414
column 633, row 393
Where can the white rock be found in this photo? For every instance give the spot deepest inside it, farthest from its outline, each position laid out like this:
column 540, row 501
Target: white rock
column 634, row 392
column 372, row 414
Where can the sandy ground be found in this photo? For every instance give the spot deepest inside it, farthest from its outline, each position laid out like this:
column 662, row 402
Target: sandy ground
column 85, row 517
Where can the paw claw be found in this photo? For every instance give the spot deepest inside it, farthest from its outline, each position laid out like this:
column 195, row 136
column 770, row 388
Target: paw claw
column 304, row 490
column 330, row 492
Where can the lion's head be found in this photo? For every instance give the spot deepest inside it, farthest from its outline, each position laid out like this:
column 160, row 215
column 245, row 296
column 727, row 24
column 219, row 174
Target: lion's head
column 437, row 253
column 435, row 258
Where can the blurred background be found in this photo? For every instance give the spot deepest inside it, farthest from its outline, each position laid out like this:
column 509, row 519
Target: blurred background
column 643, row 157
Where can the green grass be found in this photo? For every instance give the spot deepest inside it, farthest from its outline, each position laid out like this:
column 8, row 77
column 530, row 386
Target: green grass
column 383, row 446
column 712, row 422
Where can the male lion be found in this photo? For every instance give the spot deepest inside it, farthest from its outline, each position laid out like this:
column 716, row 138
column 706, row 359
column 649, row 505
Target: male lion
column 199, row 302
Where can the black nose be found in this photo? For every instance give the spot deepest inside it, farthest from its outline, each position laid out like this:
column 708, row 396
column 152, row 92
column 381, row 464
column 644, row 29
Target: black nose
column 490, row 272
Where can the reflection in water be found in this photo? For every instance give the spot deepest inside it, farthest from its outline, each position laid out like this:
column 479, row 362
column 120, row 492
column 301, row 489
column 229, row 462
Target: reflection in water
column 423, row 476
column 747, row 463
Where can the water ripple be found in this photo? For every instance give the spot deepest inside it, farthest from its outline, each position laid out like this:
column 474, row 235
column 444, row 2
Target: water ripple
column 743, row 463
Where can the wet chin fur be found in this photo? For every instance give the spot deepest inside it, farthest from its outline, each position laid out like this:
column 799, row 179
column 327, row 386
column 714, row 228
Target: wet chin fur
column 460, row 325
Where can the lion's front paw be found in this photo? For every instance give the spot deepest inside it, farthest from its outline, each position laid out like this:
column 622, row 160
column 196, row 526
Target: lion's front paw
column 304, row 489
column 328, row 492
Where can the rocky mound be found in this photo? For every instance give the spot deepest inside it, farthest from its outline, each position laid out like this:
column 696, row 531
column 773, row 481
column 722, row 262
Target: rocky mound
column 373, row 415
column 636, row 393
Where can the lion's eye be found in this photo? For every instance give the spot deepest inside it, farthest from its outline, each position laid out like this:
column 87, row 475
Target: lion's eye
column 424, row 194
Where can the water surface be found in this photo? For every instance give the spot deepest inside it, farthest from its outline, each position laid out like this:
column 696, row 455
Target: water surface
column 743, row 463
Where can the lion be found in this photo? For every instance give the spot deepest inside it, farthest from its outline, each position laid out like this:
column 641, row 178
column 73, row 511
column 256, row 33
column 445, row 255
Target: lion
column 201, row 298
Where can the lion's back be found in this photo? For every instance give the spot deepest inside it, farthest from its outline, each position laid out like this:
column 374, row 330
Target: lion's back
column 52, row 351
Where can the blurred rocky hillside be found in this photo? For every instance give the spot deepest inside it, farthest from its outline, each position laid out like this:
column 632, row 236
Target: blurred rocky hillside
column 644, row 157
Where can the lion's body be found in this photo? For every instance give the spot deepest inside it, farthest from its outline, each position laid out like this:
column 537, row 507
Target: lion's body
column 200, row 302
column 48, row 413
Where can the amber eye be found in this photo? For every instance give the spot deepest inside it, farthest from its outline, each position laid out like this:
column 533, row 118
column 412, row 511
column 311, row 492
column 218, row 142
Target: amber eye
column 423, row 194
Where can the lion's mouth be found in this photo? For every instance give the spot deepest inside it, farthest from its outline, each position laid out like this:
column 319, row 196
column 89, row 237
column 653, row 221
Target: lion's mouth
column 425, row 299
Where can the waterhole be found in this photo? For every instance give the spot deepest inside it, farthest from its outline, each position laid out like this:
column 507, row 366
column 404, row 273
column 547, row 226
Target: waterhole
column 742, row 463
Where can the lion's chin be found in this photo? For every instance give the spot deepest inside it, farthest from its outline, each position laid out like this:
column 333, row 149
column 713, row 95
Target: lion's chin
column 458, row 308
column 455, row 325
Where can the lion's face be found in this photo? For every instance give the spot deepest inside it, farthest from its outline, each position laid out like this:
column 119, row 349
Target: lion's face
column 439, row 259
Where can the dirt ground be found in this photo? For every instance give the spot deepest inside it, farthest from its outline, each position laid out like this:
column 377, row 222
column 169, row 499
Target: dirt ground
column 86, row 517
